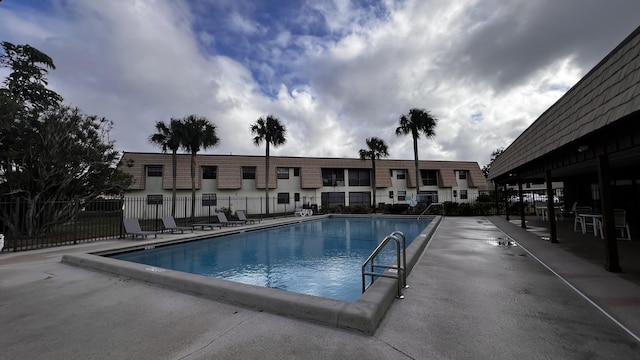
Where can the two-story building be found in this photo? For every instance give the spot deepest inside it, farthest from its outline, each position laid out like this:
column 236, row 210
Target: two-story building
column 238, row 182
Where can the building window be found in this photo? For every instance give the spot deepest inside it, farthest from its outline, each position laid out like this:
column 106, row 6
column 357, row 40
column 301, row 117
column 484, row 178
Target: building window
column 209, row 172
column 154, row 199
column 428, row 196
column 332, row 177
column 360, row 198
column 209, row 200
column 283, row 173
column 283, row 198
column 154, row 171
column 402, row 195
column 400, row 175
column 296, row 197
column 462, row 174
column 359, row 177
column 332, row 199
column 429, row 177
column 248, row 172
column 463, row 194
column 296, row 171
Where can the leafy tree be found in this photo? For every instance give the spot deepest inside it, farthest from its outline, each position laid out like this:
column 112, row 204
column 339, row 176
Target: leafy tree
column 66, row 162
column 376, row 149
column 272, row 132
column 416, row 122
column 494, row 156
column 52, row 157
column 22, row 98
column 197, row 133
column 168, row 137
column 26, row 84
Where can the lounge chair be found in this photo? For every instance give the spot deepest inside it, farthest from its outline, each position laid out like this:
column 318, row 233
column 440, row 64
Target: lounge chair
column 132, row 227
column 202, row 226
column 222, row 218
column 243, row 217
column 170, row 224
column 303, row 212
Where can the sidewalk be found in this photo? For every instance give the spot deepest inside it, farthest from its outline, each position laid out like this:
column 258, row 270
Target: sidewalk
column 473, row 295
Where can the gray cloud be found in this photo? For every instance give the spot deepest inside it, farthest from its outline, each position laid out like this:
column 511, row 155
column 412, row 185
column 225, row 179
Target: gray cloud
column 333, row 72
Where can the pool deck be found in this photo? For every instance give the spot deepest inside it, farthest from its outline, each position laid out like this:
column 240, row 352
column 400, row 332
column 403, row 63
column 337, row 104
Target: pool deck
column 471, row 296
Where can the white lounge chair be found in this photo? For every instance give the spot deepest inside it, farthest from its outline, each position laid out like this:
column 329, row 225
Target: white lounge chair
column 132, row 227
column 243, row 217
column 170, row 224
column 222, row 218
column 303, row 212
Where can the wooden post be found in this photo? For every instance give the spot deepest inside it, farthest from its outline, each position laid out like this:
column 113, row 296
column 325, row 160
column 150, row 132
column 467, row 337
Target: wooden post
column 506, row 202
column 495, row 185
column 523, row 222
column 608, row 222
column 551, row 211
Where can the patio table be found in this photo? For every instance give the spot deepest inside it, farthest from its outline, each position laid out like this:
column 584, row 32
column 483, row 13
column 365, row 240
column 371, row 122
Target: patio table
column 595, row 220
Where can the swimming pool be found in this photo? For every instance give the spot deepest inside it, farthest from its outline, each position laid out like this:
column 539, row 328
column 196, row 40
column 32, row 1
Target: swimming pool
column 320, row 258
column 364, row 315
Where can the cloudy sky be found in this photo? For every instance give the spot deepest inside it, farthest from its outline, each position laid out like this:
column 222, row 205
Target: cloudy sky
column 333, row 71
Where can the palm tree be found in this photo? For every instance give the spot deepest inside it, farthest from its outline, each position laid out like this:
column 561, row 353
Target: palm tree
column 197, row 132
column 377, row 149
column 168, row 138
column 416, row 122
column 272, row 132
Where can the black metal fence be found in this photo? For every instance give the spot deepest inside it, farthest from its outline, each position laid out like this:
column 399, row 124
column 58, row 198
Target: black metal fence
column 40, row 225
column 28, row 226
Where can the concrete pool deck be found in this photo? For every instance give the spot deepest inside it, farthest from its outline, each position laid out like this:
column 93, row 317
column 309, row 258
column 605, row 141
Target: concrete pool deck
column 471, row 296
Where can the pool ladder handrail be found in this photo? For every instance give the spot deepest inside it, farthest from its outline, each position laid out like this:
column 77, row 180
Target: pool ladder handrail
column 429, row 207
column 400, row 265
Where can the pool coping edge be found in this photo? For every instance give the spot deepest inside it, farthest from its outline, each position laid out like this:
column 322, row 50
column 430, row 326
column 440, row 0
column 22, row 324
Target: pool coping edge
column 363, row 315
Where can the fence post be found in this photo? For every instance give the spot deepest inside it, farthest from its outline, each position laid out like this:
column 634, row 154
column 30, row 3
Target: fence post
column 156, row 220
column 76, row 209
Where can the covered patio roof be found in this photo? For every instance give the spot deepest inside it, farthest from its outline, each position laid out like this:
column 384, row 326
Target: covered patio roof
column 590, row 139
column 598, row 115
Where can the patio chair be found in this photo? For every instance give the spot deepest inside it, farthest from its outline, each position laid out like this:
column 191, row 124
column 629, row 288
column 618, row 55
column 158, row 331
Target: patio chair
column 541, row 211
column 620, row 217
column 170, row 224
column 222, row 218
column 577, row 219
column 132, row 227
column 243, row 217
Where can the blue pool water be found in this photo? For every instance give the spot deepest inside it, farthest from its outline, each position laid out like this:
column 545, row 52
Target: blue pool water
column 322, row 257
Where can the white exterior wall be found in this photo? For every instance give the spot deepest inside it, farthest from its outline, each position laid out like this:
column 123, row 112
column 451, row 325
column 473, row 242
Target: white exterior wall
column 251, row 199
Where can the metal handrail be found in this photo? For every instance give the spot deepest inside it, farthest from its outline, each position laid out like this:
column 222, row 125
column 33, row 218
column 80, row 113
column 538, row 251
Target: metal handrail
column 429, row 207
column 404, row 257
column 373, row 274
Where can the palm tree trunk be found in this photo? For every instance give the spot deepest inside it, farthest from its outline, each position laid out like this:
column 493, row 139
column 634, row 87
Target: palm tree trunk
column 173, row 184
column 373, row 162
column 193, row 185
column 266, row 179
column 415, row 156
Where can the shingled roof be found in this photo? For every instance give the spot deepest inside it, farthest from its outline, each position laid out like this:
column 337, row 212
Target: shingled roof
column 230, row 170
column 609, row 92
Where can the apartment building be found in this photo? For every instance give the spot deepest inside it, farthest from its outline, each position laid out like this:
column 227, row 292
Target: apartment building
column 238, row 181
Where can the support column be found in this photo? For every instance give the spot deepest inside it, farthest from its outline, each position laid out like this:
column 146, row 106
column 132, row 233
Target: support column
column 495, row 186
column 523, row 222
column 506, row 202
column 611, row 259
column 551, row 210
